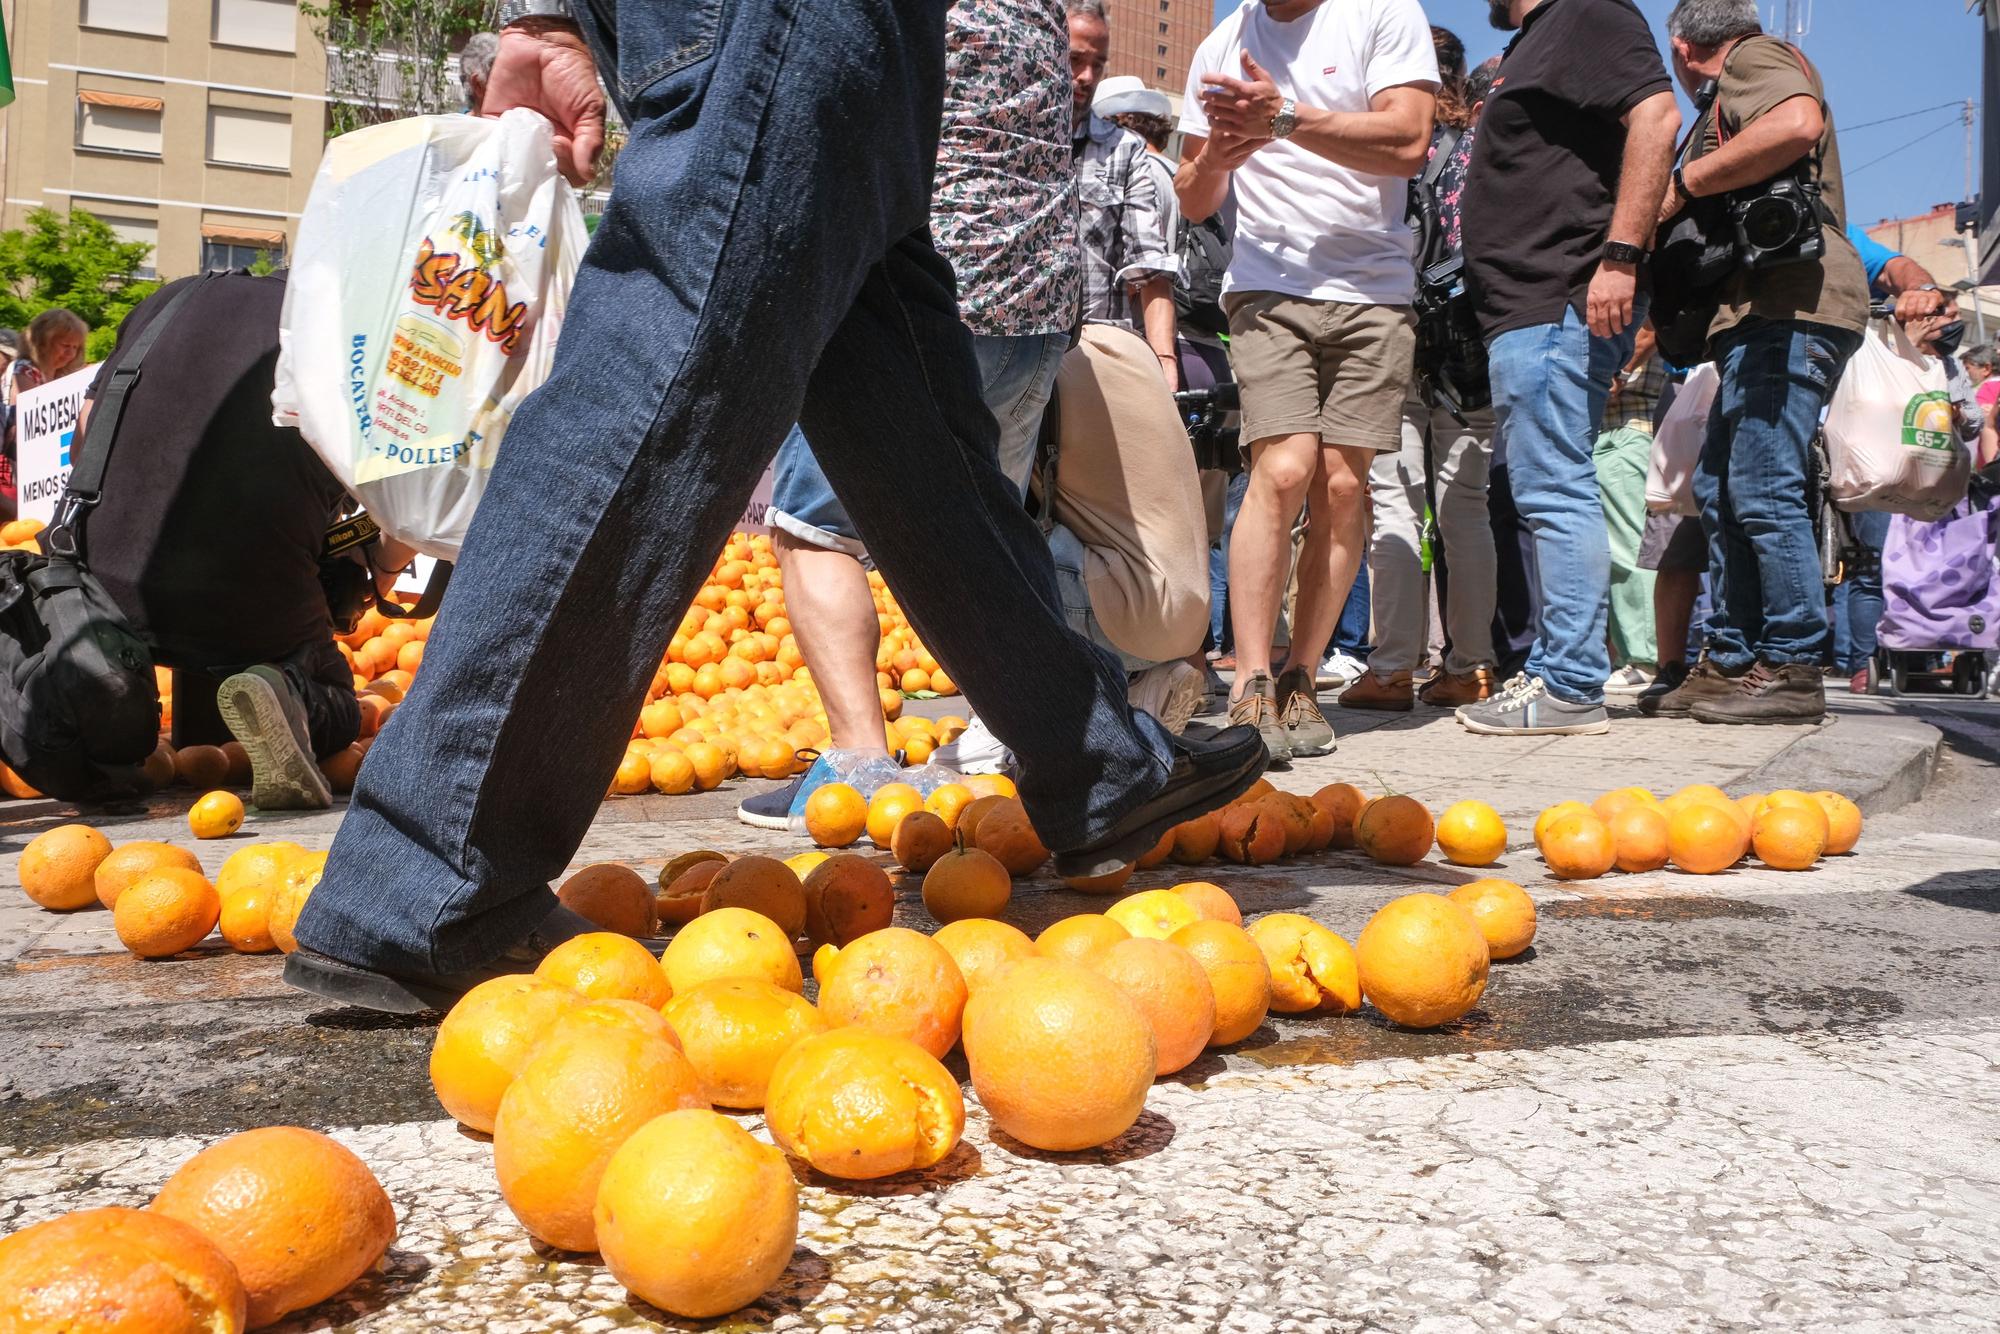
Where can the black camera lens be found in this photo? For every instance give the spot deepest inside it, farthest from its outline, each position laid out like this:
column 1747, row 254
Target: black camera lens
column 1771, row 222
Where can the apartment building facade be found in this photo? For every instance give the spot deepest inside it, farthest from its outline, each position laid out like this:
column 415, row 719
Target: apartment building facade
column 1156, row 39
column 194, row 126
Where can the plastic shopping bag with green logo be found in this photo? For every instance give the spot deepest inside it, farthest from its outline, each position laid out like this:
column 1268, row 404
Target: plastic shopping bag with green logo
column 428, row 286
column 1891, row 433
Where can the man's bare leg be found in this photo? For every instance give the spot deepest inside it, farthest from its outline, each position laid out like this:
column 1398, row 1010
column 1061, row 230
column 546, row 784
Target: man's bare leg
column 833, row 617
column 1333, row 550
column 1282, row 469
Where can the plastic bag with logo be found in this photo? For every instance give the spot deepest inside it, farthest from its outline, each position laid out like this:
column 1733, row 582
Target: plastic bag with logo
column 1891, row 433
column 428, row 285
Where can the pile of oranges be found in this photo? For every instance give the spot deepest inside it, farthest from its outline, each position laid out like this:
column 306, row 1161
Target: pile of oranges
column 1698, row 830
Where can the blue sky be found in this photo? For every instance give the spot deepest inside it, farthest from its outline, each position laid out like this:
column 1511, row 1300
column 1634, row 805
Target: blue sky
column 1880, row 58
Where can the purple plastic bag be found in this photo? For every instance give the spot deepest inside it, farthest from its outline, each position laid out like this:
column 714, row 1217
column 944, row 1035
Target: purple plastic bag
column 1940, row 587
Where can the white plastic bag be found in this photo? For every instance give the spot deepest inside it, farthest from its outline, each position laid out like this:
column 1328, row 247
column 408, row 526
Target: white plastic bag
column 1891, row 432
column 1678, row 442
column 429, row 282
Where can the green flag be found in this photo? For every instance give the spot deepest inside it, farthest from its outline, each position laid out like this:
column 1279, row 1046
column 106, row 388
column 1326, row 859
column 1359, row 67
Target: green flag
column 6, row 68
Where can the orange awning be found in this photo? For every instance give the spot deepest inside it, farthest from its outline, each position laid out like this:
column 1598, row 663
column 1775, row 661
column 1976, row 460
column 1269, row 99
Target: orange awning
column 231, row 234
column 128, row 101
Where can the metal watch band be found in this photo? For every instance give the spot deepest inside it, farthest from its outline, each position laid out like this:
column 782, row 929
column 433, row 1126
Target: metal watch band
column 513, row 11
column 1286, row 120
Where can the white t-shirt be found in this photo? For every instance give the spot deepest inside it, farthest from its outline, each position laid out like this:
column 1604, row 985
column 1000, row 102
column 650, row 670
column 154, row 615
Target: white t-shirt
column 1306, row 226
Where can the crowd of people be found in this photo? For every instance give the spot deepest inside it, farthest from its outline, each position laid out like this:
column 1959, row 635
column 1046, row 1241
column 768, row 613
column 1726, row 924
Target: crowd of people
column 1420, row 315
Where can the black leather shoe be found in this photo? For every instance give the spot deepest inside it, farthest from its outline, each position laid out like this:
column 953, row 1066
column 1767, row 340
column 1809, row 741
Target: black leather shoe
column 1206, row 776
column 344, row 983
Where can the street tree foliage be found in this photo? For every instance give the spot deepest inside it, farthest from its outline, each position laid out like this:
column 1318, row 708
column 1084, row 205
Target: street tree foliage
column 392, row 58
column 76, row 261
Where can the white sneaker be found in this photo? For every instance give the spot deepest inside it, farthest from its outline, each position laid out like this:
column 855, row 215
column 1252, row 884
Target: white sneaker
column 1172, row 692
column 1628, row 683
column 977, row 751
column 1342, row 669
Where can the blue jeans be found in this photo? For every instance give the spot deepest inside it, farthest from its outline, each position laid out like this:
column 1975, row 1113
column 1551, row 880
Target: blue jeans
column 1218, row 563
column 1858, row 602
column 1751, row 483
column 753, row 269
column 1069, row 554
column 1550, row 383
column 1016, row 375
column 1350, row 633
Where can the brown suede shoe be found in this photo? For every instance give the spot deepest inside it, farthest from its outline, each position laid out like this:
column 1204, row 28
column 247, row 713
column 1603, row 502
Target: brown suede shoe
column 1705, row 683
column 1791, row 693
column 1394, row 695
column 1450, row 690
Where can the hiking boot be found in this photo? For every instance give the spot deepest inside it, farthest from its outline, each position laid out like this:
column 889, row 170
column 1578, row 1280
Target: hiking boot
column 1671, row 676
column 1307, row 731
column 1449, row 690
column 1792, row 692
column 1396, row 694
column 262, row 713
column 1206, row 775
column 1171, row 692
column 345, row 983
column 1526, row 708
column 1706, row 682
column 1258, row 708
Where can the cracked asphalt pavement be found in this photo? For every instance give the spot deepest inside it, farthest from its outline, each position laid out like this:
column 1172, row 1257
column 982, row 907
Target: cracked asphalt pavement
column 1755, row 1100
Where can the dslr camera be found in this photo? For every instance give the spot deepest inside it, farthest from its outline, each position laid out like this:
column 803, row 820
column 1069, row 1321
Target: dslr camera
column 1778, row 222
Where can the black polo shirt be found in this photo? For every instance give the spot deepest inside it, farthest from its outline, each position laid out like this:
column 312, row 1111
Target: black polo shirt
column 1544, row 175
column 209, row 533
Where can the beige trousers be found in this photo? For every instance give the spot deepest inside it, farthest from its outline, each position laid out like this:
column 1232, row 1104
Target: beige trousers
column 1398, row 586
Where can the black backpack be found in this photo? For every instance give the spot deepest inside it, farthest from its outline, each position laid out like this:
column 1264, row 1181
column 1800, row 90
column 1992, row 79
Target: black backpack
column 1204, row 248
column 79, row 706
column 1451, row 354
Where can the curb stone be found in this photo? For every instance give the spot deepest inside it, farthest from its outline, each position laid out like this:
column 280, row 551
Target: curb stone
column 1881, row 762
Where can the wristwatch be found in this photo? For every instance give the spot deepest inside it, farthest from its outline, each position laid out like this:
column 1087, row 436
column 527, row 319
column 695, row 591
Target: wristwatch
column 1621, row 252
column 1681, row 184
column 513, row 11
column 1286, row 120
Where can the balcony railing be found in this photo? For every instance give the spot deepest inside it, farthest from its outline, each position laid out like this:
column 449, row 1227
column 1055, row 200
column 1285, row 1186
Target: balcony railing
column 391, row 81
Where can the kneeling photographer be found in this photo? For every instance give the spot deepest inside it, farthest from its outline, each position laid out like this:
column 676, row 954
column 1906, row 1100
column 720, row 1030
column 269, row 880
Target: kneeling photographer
column 210, row 538
column 1761, row 177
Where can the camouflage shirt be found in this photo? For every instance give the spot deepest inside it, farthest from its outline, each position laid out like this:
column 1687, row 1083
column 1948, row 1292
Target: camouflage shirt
column 1003, row 209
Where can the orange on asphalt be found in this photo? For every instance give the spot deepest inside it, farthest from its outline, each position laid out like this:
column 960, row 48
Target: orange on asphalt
column 166, row 911
column 1109, row 883
column 575, row 1101
column 1313, row 970
column 487, row 1037
column 1554, row 813
column 298, row 1214
column 603, row 965
column 919, row 841
column 1843, row 819
column 114, row 1270
column 895, row 981
column 1578, row 846
column 762, row 885
column 1238, row 974
column 1704, row 838
column 694, row 1216
column 58, row 868
column 886, row 809
column 734, row 1029
column 982, row 948
column 1211, row 901
column 1343, row 801
column 1471, row 833
column 1077, row 938
column 1395, row 830
column 302, row 875
column 1006, row 833
column 680, row 898
column 1195, row 840
column 837, row 815
column 132, row 860
column 966, row 883
column 731, row 942
column 1503, row 912
column 847, row 896
column 1170, row 989
column 1060, row 1057
column 948, row 803
column 861, row 1105
column 1250, row 833
column 612, row 895
column 1423, row 960
column 1788, row 837
column 1154, row 914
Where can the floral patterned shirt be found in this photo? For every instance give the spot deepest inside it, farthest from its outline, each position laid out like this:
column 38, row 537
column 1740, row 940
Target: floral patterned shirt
column 1003, row 207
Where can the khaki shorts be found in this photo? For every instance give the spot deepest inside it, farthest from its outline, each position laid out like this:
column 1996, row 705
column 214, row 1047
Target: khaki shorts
column 1334, row 369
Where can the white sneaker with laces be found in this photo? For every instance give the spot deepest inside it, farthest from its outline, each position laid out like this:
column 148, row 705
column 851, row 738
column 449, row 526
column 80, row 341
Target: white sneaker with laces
column 977, row 751
column 1343, row 668
column 1628, row 683
column 1170, row 691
